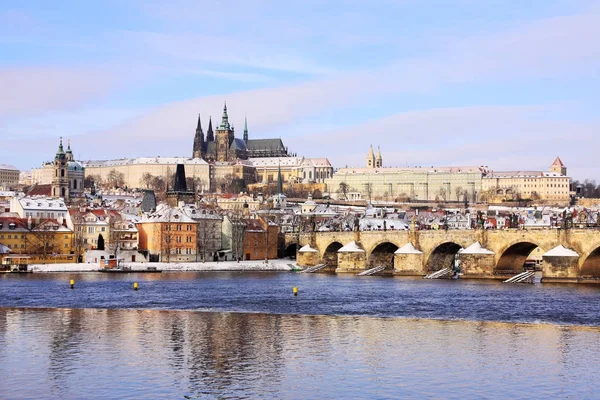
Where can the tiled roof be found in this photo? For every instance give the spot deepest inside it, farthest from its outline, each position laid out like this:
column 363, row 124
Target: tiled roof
column 40, row 190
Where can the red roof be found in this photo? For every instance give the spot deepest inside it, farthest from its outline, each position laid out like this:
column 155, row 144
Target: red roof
column 558, row 162
column 40, row 190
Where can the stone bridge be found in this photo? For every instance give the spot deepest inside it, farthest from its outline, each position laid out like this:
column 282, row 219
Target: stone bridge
column 493, row 254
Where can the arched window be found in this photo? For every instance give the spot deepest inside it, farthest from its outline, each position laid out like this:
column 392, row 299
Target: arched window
column 62, row 173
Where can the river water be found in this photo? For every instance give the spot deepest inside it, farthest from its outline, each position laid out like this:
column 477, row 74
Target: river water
column 244, row 335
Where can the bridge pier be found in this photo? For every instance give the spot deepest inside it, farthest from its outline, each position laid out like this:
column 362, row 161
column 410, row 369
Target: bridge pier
column 477, row 266
column 408, row 261
column 352, row 258
column 560, row 266
column 308, row 257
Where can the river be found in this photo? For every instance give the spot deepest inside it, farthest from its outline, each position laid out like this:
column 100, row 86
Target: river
column 244, row 335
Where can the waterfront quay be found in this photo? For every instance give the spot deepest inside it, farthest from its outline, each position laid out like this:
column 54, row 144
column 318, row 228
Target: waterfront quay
column 567, row 255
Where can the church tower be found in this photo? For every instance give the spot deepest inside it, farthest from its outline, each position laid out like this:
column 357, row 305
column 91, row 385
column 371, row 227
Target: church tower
column 224, row 137
column 378, row 159
column 370, row 158
column 198, row 141
column 559, row 167
column 246, row 130
column 60, row 180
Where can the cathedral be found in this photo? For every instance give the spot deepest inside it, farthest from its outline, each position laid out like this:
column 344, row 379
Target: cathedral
column 222, row 145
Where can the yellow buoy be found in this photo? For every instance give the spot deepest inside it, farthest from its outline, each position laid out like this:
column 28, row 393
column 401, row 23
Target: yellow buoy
column 295, row 291
column 135, row 286
column 72, row 283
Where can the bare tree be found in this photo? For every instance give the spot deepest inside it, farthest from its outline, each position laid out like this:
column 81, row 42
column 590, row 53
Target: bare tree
column 369, row 190
column 343, row 190
column 459, row 192
column 43, row 239
column 115, row 179
column 146, row 180
column 442, row 193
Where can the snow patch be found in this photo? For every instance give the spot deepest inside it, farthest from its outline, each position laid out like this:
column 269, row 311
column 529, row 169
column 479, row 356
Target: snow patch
column 560, row 251
column 408, row 248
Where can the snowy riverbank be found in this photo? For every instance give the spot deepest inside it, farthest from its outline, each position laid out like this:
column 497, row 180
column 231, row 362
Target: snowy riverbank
column 272, row 265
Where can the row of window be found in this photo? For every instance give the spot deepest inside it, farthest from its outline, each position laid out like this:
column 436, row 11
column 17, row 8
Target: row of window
column 179, row 227
column 187, row 251
column 16, row 236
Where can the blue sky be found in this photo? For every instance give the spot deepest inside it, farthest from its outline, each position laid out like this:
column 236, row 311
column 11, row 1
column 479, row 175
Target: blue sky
column 507, row 84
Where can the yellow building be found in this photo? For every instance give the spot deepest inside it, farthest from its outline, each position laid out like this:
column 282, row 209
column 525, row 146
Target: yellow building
column 37, row 241
column 552, row 186
column 293, row 169
column 168, row 235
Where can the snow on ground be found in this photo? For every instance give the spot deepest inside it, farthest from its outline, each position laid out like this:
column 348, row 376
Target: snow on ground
column 272, row 265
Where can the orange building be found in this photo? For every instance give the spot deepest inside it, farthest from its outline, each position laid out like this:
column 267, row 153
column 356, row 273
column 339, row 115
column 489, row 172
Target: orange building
column 260, row 239
column 168, row 235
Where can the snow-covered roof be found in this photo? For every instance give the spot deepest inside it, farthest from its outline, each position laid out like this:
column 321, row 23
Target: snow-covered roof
column 424, row 170
column 351, row 247
column 144, row 160
column 307, row 249
column 408, row 248
column 475, row 248
column 560, row 251
column 262, row 162
column 42, row 203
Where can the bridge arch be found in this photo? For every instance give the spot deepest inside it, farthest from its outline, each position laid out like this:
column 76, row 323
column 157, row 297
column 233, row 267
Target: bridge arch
column 512, row 258
column 590, row 268
column 382, row 254
column 330, row 255
column 291, row 250
column 442, row 256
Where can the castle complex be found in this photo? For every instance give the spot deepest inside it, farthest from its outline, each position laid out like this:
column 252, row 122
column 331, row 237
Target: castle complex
column 441, row 184
column 219, row 157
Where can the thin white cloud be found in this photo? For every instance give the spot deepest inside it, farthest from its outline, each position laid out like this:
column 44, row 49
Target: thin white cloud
column 29, row 90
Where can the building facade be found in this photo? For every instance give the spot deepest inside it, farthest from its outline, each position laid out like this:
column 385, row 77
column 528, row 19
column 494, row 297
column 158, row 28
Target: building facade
column 375, row 182
column 168, row 235
column 138, row 172
column 36, row 241
column 293, row 169
column 552, row 186
column 260, row 239
column 9, row 176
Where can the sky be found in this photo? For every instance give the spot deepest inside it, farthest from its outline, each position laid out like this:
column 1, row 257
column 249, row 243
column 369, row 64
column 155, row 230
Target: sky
column 505, row 84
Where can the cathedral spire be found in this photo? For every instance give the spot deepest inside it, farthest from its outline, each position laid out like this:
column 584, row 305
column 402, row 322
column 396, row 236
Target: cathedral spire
column 225, row 118
column 246, row 129
column 198, row 140
column 210, row 135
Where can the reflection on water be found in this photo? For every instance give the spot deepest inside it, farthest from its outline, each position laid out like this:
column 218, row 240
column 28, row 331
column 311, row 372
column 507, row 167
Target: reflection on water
column 100, row 353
